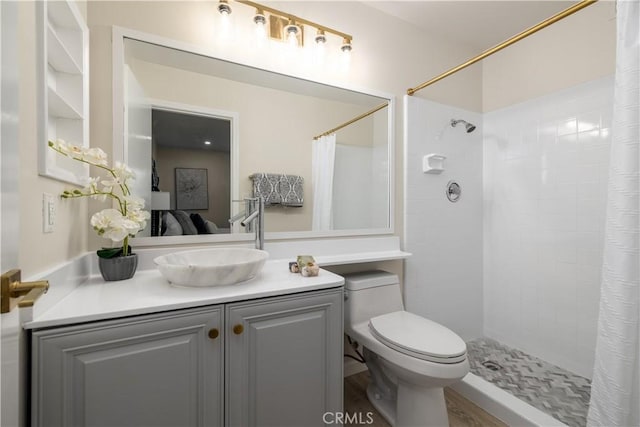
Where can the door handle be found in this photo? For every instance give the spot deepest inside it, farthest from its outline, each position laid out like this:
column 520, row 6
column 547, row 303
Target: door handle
column 12, row 287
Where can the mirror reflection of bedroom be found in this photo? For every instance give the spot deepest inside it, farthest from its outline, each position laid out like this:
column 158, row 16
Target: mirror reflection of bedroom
column 191, row 186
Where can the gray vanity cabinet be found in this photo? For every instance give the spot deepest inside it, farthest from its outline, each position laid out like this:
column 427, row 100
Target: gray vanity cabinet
column 267, row 362
column 284, row 360
column 156, row 370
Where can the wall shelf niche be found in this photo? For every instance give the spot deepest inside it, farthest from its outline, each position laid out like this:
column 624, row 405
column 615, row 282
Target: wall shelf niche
column 63, row 93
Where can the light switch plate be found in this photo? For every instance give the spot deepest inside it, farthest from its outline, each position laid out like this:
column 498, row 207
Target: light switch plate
column 48, row 212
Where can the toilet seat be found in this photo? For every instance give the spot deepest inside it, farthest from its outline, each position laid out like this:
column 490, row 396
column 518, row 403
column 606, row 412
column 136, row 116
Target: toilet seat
column 418, row 337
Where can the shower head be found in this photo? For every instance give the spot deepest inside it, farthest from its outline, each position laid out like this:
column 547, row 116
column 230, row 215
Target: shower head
column 468, row 126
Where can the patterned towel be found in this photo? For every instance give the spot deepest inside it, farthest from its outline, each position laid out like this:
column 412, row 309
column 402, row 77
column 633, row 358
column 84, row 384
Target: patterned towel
column 266, row 185
column 291, row 190
column 278, row 189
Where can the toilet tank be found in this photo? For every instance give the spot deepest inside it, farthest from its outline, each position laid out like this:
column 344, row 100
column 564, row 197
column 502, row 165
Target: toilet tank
column 369, row 294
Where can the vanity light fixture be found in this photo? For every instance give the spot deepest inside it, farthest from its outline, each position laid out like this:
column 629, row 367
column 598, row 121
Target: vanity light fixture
column 259, row 17
column 346, row 53
column 261, row 23
column 292, row 31
column 346, row 45
column 225, row 21
column 320, row 37
column 207, row 143
column 321, row 41
column 224, row 8
column 290, row 28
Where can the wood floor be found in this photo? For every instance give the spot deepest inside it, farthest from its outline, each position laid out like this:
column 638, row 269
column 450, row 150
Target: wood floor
column 462, row 412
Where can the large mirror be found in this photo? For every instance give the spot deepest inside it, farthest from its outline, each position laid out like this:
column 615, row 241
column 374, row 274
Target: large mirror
column 202, row 133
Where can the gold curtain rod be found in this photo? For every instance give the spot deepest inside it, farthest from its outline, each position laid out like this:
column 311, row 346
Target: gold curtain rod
column 345, row 124
column 296, row 19
column 555, row 18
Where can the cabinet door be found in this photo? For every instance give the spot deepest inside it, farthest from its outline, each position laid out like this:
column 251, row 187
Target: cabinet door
column 285, row 367
column 157, row 370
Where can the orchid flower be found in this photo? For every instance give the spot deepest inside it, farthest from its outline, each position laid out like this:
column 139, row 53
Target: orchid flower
column 128, row 217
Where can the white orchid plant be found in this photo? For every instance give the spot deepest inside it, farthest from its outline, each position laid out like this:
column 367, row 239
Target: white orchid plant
column 128, row 217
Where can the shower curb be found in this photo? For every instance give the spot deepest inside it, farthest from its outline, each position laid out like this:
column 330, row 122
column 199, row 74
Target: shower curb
column 503, row 405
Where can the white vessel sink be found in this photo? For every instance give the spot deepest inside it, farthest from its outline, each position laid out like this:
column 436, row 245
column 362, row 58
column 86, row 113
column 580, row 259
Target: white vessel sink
column 211, row 267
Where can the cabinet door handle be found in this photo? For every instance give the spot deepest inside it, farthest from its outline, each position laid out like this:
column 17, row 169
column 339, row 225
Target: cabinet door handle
column 213, row 333
column 238, row 329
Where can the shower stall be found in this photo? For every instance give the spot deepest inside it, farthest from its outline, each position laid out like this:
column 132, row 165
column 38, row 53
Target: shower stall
column 514, row 265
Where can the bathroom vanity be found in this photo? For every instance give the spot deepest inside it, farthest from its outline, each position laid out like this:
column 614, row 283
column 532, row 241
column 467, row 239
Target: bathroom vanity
column 142, row 352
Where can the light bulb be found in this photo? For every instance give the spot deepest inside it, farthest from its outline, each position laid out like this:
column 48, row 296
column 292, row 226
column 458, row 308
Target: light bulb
column 346, row 46
column 260, row 21
column 320, row 51
column 224, row 8
column 346, row 55
column 292, row 31
column 225, row 26
column 261, row 31
column 292, row 38
column 321, row 39
column 225, row 19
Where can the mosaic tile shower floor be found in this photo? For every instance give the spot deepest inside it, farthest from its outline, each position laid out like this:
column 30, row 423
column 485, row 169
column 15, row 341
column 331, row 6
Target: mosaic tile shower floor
column 553, row 390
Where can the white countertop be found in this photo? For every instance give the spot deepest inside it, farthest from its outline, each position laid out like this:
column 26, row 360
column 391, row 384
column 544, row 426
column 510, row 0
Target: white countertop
column 78, row 294
column 360, row 257
column 149, row 292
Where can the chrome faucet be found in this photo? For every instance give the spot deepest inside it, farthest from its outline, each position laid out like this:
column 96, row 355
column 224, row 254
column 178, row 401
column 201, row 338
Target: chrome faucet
column 252, row 218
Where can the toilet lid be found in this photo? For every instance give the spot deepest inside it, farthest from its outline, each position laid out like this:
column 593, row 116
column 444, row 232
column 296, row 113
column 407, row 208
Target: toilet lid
column 418, row 337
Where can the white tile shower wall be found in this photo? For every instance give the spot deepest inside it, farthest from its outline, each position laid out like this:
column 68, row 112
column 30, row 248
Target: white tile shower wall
column 443, row 278
column 545, row 180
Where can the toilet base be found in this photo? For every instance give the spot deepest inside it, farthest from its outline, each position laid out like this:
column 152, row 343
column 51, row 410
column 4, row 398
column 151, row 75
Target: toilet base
column 413, row 408
column 401, row 403
column 419, row 406
column 381, row 392
column 385, row 406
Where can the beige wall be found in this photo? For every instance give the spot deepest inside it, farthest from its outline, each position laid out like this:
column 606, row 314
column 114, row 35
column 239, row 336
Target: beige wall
column 39, row 251
column 217, row 165
column 575, row 50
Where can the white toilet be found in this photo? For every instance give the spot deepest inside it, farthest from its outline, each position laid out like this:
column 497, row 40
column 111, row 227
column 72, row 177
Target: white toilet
column 410, row 358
